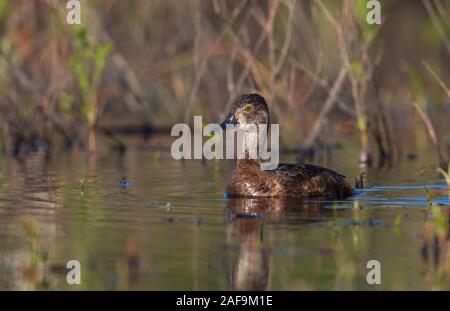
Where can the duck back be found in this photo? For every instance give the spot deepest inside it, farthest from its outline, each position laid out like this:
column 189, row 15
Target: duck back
column 288, row 180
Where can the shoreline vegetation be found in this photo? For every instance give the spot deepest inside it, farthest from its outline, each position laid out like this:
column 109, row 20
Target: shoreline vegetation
column 140, row 67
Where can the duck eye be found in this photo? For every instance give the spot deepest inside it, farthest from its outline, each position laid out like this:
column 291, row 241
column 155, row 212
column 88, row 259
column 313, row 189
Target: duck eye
column 248, row 108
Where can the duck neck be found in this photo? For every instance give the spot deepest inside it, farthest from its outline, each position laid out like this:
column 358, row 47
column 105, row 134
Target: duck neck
column 253, row 141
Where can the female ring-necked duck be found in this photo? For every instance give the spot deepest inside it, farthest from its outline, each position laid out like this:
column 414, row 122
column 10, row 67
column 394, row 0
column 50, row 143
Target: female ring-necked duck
column 287, row 180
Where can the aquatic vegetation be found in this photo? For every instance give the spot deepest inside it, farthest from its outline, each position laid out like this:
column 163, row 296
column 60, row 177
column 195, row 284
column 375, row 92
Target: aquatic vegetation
column 87, row 64
column 435, row 242
column 398, row 222
column 420, row 104
column 359, row 182
column 445, row 174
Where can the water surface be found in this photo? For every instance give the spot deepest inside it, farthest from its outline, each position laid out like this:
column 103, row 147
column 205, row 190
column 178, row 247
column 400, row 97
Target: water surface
column 143, row 221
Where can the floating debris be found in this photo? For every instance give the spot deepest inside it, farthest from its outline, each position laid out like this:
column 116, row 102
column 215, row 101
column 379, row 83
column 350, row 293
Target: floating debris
column 82, row 184
column 376, row 223
column 155, row 203
column 168, row 206
column 125, row 183
column 167, row 220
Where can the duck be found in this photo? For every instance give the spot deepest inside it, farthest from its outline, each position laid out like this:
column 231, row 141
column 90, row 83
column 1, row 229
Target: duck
column 303, row 181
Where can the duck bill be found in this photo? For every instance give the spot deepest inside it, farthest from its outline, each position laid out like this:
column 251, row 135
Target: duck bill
column 231, row 119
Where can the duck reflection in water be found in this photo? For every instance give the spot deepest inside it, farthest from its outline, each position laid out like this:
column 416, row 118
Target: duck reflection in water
column 252, row 269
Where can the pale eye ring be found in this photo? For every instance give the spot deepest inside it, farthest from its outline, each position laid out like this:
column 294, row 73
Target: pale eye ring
column 248, row 108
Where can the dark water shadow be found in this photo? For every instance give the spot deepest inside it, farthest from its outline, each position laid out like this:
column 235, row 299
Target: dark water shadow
column 252, row 269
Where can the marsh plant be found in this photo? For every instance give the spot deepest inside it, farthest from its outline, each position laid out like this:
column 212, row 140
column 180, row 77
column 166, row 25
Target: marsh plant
column 87, row 64
column 445, row 174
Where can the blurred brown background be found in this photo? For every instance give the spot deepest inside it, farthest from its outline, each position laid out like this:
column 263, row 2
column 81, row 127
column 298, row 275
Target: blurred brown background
column 142, row 66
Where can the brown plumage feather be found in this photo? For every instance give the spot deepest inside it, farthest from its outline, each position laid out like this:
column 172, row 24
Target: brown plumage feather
column 288, row 180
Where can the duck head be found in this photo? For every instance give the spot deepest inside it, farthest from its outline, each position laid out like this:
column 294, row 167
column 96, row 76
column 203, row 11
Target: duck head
column 248, row 109
column 250, row 117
